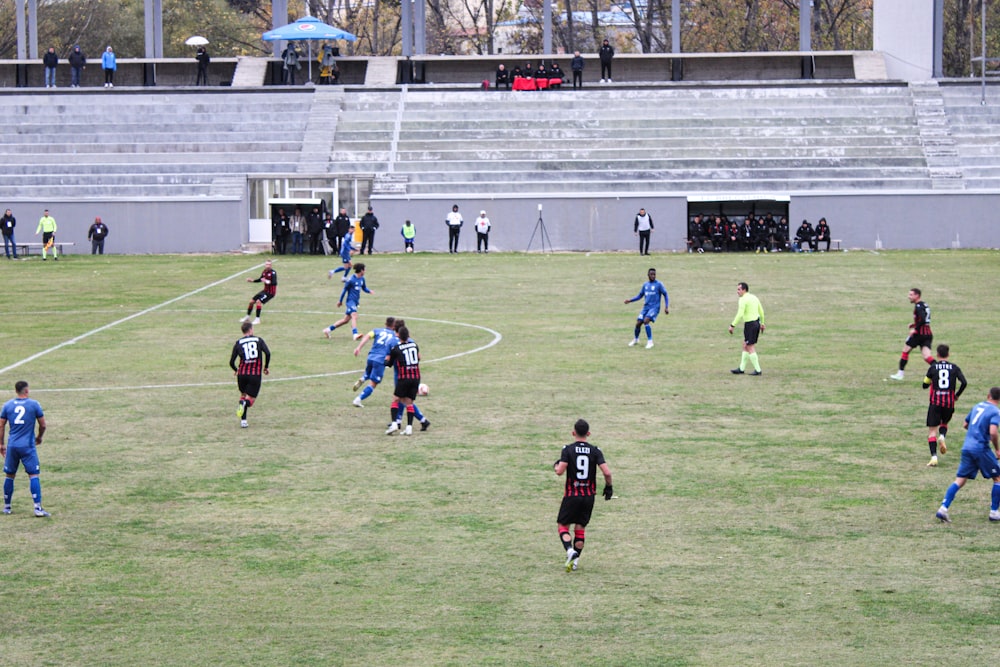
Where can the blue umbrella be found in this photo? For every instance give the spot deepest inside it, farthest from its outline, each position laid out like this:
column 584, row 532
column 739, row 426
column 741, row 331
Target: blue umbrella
column 307, row 28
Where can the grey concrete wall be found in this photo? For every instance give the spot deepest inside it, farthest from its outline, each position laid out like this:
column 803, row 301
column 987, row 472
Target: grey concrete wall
column 910, row 221
column 139, row 227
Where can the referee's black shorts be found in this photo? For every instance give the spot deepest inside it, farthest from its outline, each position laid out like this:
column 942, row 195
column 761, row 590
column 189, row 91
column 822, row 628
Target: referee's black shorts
column 751, row 330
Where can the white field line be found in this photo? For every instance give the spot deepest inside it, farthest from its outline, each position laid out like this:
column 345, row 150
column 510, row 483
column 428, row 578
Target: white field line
column 497, row 337
column 73, row 341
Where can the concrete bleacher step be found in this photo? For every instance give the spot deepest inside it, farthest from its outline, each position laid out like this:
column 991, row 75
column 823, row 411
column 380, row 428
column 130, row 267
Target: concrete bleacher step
column 250, row 72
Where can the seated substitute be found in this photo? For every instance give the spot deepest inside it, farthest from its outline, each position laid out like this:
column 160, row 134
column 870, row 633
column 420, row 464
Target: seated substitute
column 502, row 77
column 822, row 235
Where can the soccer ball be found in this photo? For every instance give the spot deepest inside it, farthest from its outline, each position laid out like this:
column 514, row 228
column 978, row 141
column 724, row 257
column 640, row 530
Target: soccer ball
column 409, row 248
column 423, row 390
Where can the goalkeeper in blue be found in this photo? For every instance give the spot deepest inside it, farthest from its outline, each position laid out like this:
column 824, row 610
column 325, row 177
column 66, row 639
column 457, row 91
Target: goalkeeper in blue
column 651, row 292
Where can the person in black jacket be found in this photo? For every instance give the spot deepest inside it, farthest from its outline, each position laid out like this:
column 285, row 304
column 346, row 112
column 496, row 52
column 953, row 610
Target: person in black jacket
column 577, row 66
column 606, row 53
column 804, row 237
column 50, row 60
column 369, row 223
column 314, row 227
column 7, row 224
column 77, row 63
column 822, row 235
column 340, row 226
column 97, row 233
column 280, row 231
column 502, row 77
column 203, row 60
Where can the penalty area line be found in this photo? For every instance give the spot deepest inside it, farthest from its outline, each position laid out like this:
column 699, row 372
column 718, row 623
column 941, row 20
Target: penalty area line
column 105, row 327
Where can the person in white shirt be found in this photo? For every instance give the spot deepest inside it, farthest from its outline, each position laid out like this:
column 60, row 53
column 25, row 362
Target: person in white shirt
column 642, row 227
column 454, row 221
column 482, row 233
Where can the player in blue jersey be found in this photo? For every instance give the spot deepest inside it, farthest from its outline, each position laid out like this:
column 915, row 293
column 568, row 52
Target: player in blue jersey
column 383, row 340
column 353, row 288
column 651, row 292
column 20, row 449
column 346, row 250
column 982, row 423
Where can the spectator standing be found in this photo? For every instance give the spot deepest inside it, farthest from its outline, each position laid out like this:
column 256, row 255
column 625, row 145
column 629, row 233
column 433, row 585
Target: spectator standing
column 7, row 224
column 203, row 59
column 77, row 63
column 982, row 424
column 109, row 63
column 606, row 53
column 502, row 77
column 22, row 412
column 97, row 233
column 47, row 228
column 408, row 232
column 580, row 461
column 290, row 58
column 314, row 227
column 369, row 223
column 482, row 233
column 642, row 228
column 50, row 60
column 751, row 313
column 822, row 235
column 340, row 226
column 454, row 221
column 329, row 232
column 577, row 66
column 298, row 226
column 279, row 231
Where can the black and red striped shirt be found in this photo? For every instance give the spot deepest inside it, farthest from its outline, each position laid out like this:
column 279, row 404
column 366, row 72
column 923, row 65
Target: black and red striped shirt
column 406, row 358
column 942, row 376
column 922, row 319
column 249, row 351
column 582, row 462
column 270, row 279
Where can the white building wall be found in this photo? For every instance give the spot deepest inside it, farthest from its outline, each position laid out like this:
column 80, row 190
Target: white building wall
column 904, row 34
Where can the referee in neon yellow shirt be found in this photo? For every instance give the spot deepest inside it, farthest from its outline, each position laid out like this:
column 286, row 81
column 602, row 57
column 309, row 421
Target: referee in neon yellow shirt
column 751, row 313
column 47, row 228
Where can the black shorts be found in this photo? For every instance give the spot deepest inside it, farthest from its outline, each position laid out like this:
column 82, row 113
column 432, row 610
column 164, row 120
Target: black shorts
column 751, row 330
column 939, row 416
column 47, row 236
column 916, row 341
column 575, row 510
column 406, row 389
column 248, row 384
column 263, row 297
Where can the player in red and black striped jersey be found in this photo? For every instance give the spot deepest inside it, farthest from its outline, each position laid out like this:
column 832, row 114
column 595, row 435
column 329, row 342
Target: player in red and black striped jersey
column 270, row 279
column 254, row 358
column 405, row 357
column 942, row 376
column 580, row 461
column 920, row 333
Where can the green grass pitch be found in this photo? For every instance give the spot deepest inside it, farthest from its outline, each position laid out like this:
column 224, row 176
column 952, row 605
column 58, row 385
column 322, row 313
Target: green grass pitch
column 781, row 520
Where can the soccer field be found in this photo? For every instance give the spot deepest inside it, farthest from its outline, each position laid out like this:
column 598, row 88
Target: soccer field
column 786, row 519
